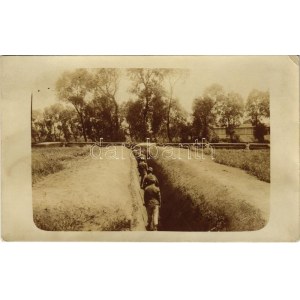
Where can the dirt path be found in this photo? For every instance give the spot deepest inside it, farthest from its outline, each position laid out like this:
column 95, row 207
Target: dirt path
column 92, row 194
column 238, row 183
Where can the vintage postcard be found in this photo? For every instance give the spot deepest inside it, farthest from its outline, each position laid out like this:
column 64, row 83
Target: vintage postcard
column 150, row 148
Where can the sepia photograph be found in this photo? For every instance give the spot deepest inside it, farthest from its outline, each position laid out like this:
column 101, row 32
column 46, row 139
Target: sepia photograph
column 149, row 149
column 150, row 144
column 158, row 149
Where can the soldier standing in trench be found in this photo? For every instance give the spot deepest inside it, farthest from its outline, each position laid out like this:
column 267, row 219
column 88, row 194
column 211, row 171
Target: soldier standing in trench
column 152, row 201
column 143, row 168
column 150, row 178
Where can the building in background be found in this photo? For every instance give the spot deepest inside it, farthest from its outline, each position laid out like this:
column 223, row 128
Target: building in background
column 244, row 131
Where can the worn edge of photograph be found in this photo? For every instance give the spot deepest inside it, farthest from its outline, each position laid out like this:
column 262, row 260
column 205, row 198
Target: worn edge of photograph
column 17, row 100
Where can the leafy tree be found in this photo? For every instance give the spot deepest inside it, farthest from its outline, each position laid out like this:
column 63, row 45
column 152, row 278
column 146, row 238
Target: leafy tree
column 68, row 120
column 38, row 127
column 106, row 84
column 157, row 117
column 259, row 132
column 133, row 110
column 177, row 122
column 186, row 132
column 231, row 111
column 55, row 123
column 171, row 78
column 74, row 88
column 206, row 111
column 160, row 112
column 101, row 119
column 258, row 106
column 203, row 116
column 52, row 122
column 258, row 109
column 147, row 86
column 217, row 94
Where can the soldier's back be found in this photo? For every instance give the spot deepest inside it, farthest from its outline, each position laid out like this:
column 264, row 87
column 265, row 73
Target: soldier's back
column 143, row 166
column 150, row 178
column 152, row 195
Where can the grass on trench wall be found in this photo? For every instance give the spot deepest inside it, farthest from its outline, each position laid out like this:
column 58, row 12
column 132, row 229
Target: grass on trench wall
column 190, row 203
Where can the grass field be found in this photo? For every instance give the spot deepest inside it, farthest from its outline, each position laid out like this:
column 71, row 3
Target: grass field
column 255, row 162
column 51, row 160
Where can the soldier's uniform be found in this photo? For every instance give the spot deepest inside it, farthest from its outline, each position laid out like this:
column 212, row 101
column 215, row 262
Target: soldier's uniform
column 150, row 178
column 143, row 168
column 140, row 157
column 152, row 199
column 135, row 153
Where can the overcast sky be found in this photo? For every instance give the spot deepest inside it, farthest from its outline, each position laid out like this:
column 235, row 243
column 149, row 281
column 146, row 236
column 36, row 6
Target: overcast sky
column 241, row 74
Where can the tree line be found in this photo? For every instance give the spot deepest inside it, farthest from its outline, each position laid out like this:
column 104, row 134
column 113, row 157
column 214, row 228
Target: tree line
column 88, row 109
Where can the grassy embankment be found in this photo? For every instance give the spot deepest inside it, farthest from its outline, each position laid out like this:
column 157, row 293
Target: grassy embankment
column 255, row 162
column 81, row 197
column 47, row 161
column 192, row 202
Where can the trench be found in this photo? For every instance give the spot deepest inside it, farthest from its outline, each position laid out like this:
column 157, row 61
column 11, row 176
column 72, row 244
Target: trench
column 191, row 203
column 179, row 212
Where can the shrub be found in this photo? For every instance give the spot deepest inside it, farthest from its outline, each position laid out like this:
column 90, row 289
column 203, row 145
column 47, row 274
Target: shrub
column 236, row 138
column 214, row 138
